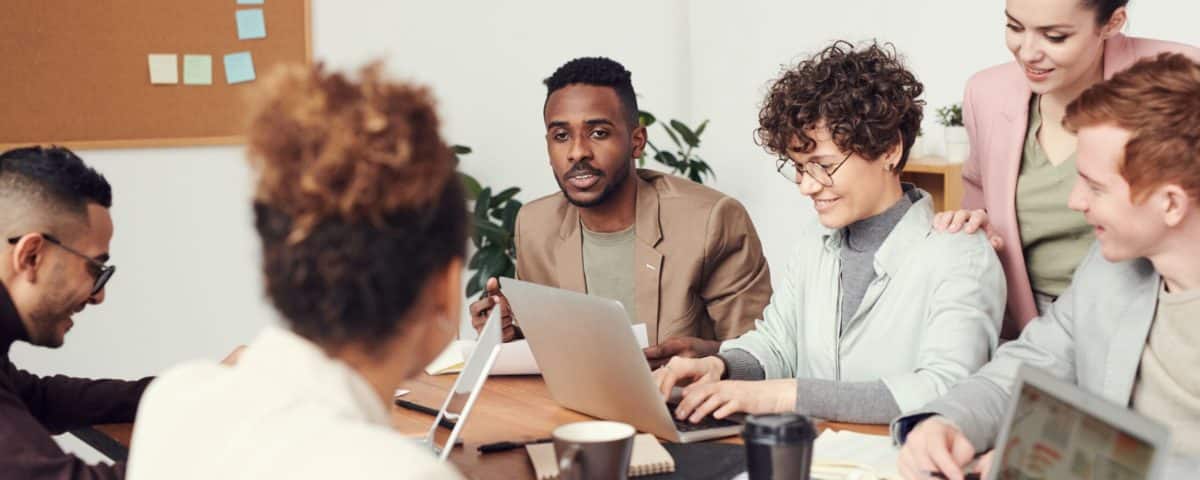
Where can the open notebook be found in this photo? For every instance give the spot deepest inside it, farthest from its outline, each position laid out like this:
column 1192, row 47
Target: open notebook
column 648, row 458
column 854, row 456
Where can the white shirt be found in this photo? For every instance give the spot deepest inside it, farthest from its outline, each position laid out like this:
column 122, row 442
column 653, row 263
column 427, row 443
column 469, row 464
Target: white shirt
column 285, row 411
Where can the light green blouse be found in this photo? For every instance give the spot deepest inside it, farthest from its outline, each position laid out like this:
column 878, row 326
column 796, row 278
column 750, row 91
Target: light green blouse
column 1054, row 237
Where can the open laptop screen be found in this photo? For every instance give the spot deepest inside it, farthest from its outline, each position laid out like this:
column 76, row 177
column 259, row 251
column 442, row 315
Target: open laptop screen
column 1050, row 438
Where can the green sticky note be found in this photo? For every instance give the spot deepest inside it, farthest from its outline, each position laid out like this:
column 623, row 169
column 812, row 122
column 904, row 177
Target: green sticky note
column 239, row 67
column 250, row 24
column 164, row 68
column 197, row 69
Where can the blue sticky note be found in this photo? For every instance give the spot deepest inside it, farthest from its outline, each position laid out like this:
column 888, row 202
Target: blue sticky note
column 250, row 24
column 250, row 2
column 239, row 67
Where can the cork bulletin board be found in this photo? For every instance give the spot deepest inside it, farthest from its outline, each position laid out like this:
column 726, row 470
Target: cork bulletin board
column 78, row 72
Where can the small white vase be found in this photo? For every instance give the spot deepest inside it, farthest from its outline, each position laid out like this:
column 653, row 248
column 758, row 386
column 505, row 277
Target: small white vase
column 957, row 145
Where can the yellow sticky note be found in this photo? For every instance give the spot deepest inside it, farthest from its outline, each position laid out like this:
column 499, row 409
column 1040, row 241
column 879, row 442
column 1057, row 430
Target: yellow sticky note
column 164, row 68
column 197, row 69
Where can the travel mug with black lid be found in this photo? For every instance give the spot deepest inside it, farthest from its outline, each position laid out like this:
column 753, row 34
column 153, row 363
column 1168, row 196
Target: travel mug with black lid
column 779, row 446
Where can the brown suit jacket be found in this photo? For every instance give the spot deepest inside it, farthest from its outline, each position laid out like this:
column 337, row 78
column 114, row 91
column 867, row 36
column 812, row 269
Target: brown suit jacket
column 700, row 266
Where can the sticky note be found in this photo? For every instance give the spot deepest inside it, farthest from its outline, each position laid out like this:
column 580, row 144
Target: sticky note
column 250, row 2
column 164, row 68
column 197, row 69
column 239, row 67
column 250, row 24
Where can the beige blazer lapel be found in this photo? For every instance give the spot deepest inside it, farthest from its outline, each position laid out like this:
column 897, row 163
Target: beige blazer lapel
column 648, row 261
column 569, row 253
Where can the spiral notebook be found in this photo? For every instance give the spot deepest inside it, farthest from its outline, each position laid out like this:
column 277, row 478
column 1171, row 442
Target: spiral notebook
column 648, row 458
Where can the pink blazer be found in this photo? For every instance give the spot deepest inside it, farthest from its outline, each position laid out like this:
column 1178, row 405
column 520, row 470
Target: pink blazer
column 996, row 114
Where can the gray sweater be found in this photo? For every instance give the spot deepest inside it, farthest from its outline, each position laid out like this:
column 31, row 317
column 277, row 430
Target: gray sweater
column 862, row 402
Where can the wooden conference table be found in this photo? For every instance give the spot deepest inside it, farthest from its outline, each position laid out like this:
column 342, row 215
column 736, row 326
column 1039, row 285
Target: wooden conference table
column 512, row 408
column 516, row 408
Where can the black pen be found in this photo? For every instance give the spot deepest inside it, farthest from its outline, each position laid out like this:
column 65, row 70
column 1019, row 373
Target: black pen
column 966, row 476
column 507, row 445
column 416, row 407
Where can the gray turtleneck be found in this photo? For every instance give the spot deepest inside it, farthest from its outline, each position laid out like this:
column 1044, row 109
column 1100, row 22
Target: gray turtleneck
column 859, row 402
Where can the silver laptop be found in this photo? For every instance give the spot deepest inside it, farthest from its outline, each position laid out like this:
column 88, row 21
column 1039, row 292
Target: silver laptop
column 592, row 363
column 1056, row 430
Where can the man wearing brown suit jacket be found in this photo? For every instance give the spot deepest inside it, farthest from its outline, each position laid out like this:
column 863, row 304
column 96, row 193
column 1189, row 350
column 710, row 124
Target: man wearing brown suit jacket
column 683, row 258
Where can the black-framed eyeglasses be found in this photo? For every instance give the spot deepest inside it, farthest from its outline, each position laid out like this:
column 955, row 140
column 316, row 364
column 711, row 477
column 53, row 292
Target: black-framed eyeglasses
column 792, row 171
column 101, row 272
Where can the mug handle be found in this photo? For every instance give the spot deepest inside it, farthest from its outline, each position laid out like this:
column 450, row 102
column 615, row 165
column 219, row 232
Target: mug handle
column 567, row 464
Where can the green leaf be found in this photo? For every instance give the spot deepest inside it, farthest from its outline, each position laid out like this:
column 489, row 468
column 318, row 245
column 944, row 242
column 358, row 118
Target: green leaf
column 471, row 185
column 482, row 202
column 700, row 129
column 694, row 176
column 504, row 196
column 646, row 118
column 494, row 234
column 460, row 149
column 668, row 159
column 474, row 286
column 509, row 220
column 674, row 138
column 688, row 135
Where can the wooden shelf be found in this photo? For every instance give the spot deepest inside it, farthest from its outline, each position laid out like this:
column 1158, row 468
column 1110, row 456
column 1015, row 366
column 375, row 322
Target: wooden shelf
column 942, row 179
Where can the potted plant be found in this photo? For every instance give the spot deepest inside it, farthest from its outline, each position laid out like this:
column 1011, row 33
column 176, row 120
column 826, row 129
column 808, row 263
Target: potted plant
column 957, row 144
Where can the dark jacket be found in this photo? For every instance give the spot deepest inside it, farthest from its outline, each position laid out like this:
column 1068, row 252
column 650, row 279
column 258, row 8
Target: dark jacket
column 32, row 408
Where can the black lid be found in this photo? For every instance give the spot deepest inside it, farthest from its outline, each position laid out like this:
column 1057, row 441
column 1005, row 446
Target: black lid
column 779, row 428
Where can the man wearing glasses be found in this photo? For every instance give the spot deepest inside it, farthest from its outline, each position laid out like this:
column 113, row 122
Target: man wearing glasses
column 54, row 218
column 876, row 313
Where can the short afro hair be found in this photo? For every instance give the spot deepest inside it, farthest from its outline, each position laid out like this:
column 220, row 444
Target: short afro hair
column 866, row 97
column 599, row 72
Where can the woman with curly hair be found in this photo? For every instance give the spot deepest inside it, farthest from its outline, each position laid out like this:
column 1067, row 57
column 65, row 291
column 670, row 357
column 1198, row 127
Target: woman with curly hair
column 1021, row 167
column 876, row 313
column 363, row 229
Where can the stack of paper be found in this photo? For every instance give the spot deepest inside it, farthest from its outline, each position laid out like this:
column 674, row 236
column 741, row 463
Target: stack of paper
column 849, row 455
column 515, row 357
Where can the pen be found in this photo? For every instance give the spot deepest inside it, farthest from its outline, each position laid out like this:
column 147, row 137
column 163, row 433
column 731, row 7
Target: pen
column 966, row 476
column 507, row 445
column 416, row 407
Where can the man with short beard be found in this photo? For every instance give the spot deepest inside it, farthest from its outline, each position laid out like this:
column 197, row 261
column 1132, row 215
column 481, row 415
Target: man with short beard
column 56, row 226
column 682, row 258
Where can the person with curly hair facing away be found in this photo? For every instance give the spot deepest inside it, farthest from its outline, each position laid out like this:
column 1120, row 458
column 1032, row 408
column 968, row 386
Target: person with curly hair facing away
column 363, row 227
column 682, row 258
column 876, row 313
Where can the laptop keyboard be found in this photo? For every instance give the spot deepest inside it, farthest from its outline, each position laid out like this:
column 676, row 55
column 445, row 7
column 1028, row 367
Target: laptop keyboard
column 705, row 423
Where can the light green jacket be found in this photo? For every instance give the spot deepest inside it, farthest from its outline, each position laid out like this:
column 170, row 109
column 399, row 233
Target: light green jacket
column 930, row 318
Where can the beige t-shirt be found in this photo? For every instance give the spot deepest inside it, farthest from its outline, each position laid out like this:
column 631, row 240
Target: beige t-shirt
column 1055, row 238
column 608, row 266
column 1168, row 384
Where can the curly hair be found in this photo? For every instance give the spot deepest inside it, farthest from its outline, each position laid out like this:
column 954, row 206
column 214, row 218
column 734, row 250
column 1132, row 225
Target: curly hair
column 599, row 72
column 357, row 202
column 866, row 98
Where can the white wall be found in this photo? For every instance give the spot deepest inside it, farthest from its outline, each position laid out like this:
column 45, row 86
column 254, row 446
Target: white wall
column 188, row 280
